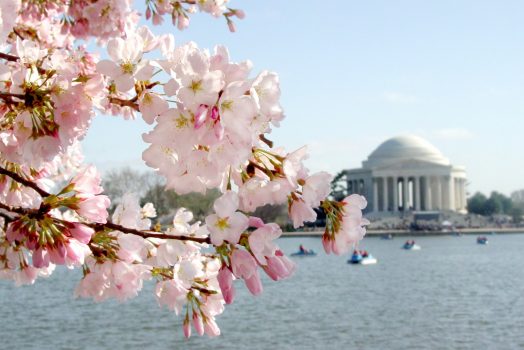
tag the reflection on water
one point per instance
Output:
(453, 293)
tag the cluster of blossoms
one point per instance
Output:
(210, 118)
(180, 10)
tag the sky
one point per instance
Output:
(356, 73)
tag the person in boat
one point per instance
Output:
(365, 254)
(302, 249)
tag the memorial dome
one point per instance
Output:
(402, 148)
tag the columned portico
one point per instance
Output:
(395, 194)
(407, 173)
(417, 193)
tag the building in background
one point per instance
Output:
(407, 173)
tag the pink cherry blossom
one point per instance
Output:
(172, 294)
(94, 208)
(87, 181)
(279, 266)
(300, 212)
(245, 267)
(261, 242)
(8, 9)
(227, 224)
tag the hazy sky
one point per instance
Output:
(355, 73)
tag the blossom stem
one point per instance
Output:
(8, 57)
(146, 234)
(124, 103)
(24, 182)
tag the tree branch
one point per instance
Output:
(96, 226)
(24, 182)
(19, 210)
(8, 57)
(146, 234)
(124, 103)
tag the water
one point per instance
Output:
(452, 294)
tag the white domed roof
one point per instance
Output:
(402, 148)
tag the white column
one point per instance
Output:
(445, 193)
(427, 192)
(385, 203)
(416, 189)
(439, 192)
(451, 193)
(405, 194)
(395, 193)
(464, 201)
(457, 194)
(375, 194)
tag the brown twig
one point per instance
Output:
(24, 182)
(146, 234)
(124, 103)
(109, 225)
(8, 57)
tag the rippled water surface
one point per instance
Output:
(452, 294)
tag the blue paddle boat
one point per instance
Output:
(304, 252)
(482, 240)
(362, 259)
(410, 245)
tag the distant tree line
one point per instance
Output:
(497, 203)
(149, 187)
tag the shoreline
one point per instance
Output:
(377, 233)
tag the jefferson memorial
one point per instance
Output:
(408, 173)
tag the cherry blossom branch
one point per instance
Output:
(132, 101)
(146, 234)
(24, 182)
(19, 210)
(8, 57)
(263, 138)
(109, 225)
(125, 103)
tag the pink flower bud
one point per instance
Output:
(279, 266)
(187, 328)
(214, 113)
(40, 258)
(255, 222)
(254, 284)
(211, 328)
(157, 19)
(245, 267)
(225, 281)
(240, 14)
(200, 115)
(148, 13)
(198, 324)
(183, 22)
(232, 27)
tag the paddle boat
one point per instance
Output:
(362, 259)
(304, 252)
(410, 245)
(482, 240)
